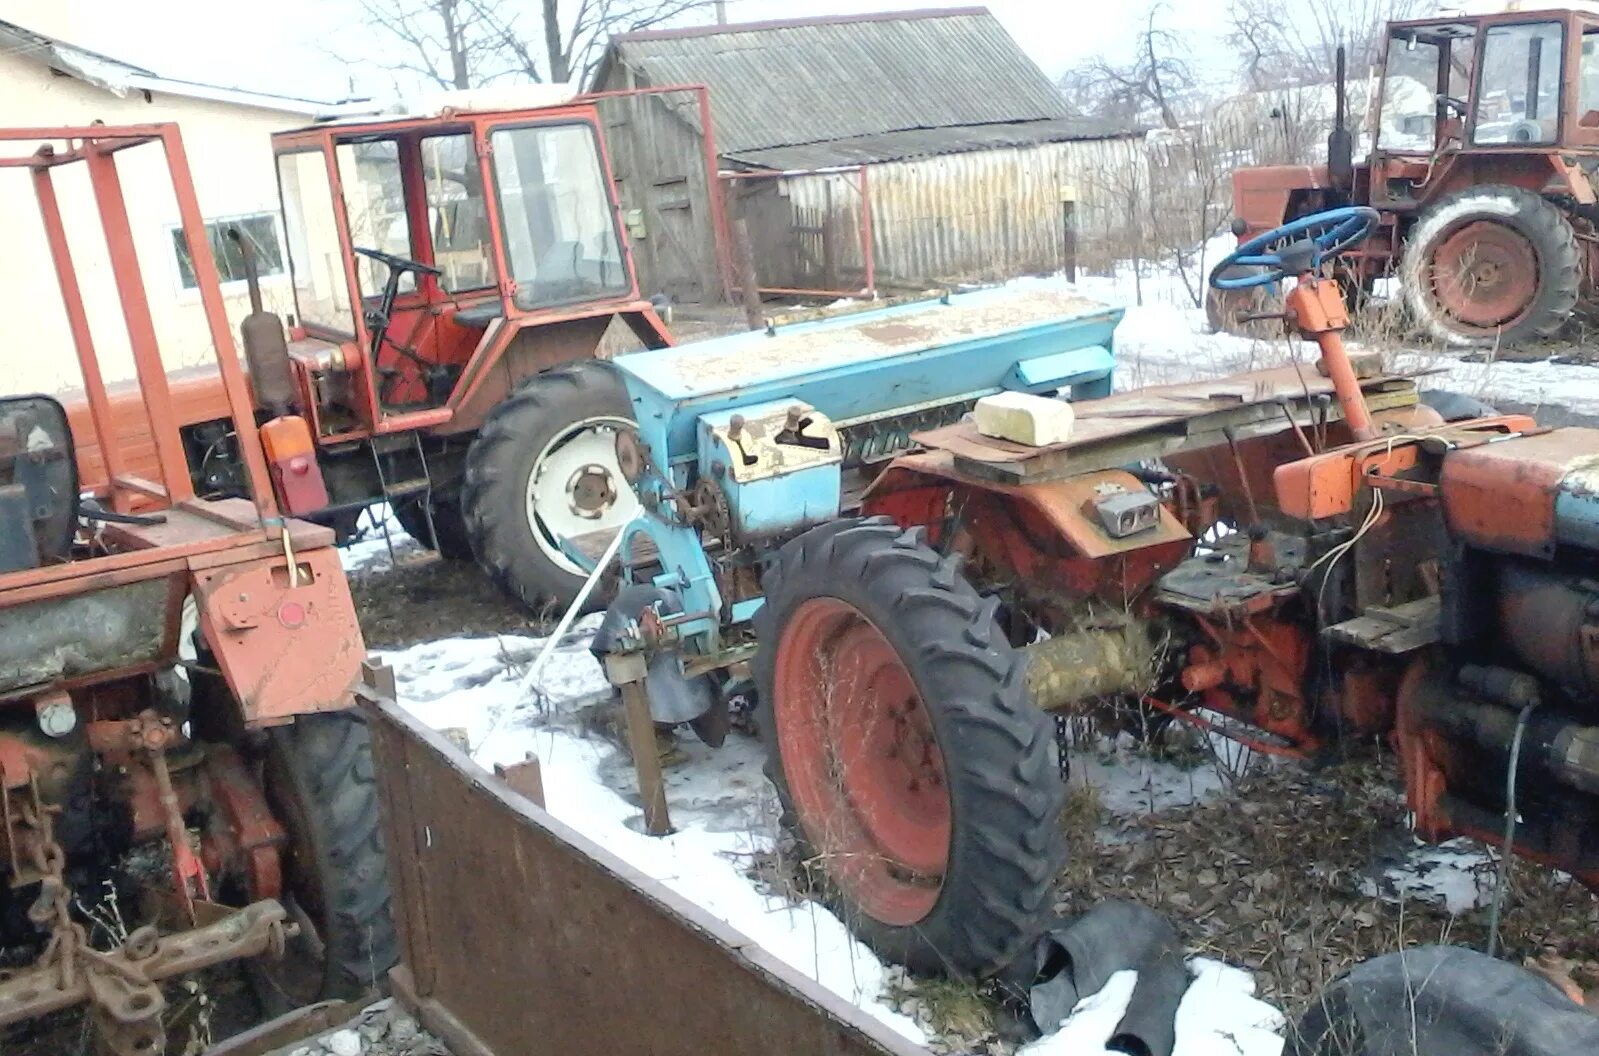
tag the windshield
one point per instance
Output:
(315, 260)
(560, 232)
(457, 218)
(1518, 96)
(1410, 96)
(374, 205)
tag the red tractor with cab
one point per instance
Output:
(453, 276)
(1484, 165)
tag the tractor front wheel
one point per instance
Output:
(542, 470)
(1490, 266)
(919, 782)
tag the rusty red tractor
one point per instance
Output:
(1306, 561)
(1484, 164)
(452, 276)
(182, 782)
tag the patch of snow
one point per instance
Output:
(1458, 874)
(1219, 1016)
(1130, 783)
(376, 532)
(1091, 1023)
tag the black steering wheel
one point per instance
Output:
(396, 264)
(1296, 247)
(379, 317)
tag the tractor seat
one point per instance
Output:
(481, 314)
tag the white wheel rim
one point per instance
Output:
(576, 488)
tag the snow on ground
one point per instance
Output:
(1459, 875)
(1219, 1016)
(1165, 340)
(379, 542)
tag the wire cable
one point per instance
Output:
(1503, 873)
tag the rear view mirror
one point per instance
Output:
(38, 483)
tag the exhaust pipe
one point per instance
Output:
(1340, 143)
(266, 346)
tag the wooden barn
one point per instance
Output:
(894, 151)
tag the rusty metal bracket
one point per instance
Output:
(626, 672)
(121, 984)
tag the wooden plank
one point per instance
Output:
(1152, 423)
(1393, 631)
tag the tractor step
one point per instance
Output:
(399, 489)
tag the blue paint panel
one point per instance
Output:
(1061, 370)
(1577, 516)
(668, 395)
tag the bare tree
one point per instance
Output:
(1157, 79)
(466, 43)
(1282, 45)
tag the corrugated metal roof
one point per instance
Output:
(926, 142)
(816, 80)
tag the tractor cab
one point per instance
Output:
(1495, 87)
(420, 248)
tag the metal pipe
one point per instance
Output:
(140, 325)
(105, 433)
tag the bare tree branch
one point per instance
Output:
(1286, 45)
(465, 43)
(1158, 80)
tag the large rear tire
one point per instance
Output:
(1491, 265)
(320, 781)
(542, 469)
(919, 781)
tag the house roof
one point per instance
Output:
(926, 142)
(861, 82)
(123, 78)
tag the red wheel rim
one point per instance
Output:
(861, 761)
(1484, 274)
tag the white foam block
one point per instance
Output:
(1036, 421)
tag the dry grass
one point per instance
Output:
(1274, 877)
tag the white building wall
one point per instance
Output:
(230, 157)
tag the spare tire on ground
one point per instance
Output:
(1443, 1001)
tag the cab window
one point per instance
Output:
(316, 262)
(374, 205)
(1588, 80)
(1518, 94)
(1410, 96)
(561, 241)
(457, 215)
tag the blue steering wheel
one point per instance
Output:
(1329, 234)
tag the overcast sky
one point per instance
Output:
(288, 46)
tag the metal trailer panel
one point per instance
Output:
(520, 935)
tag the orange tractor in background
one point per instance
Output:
(1484, 165)
(453, 276)
(182, 781)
